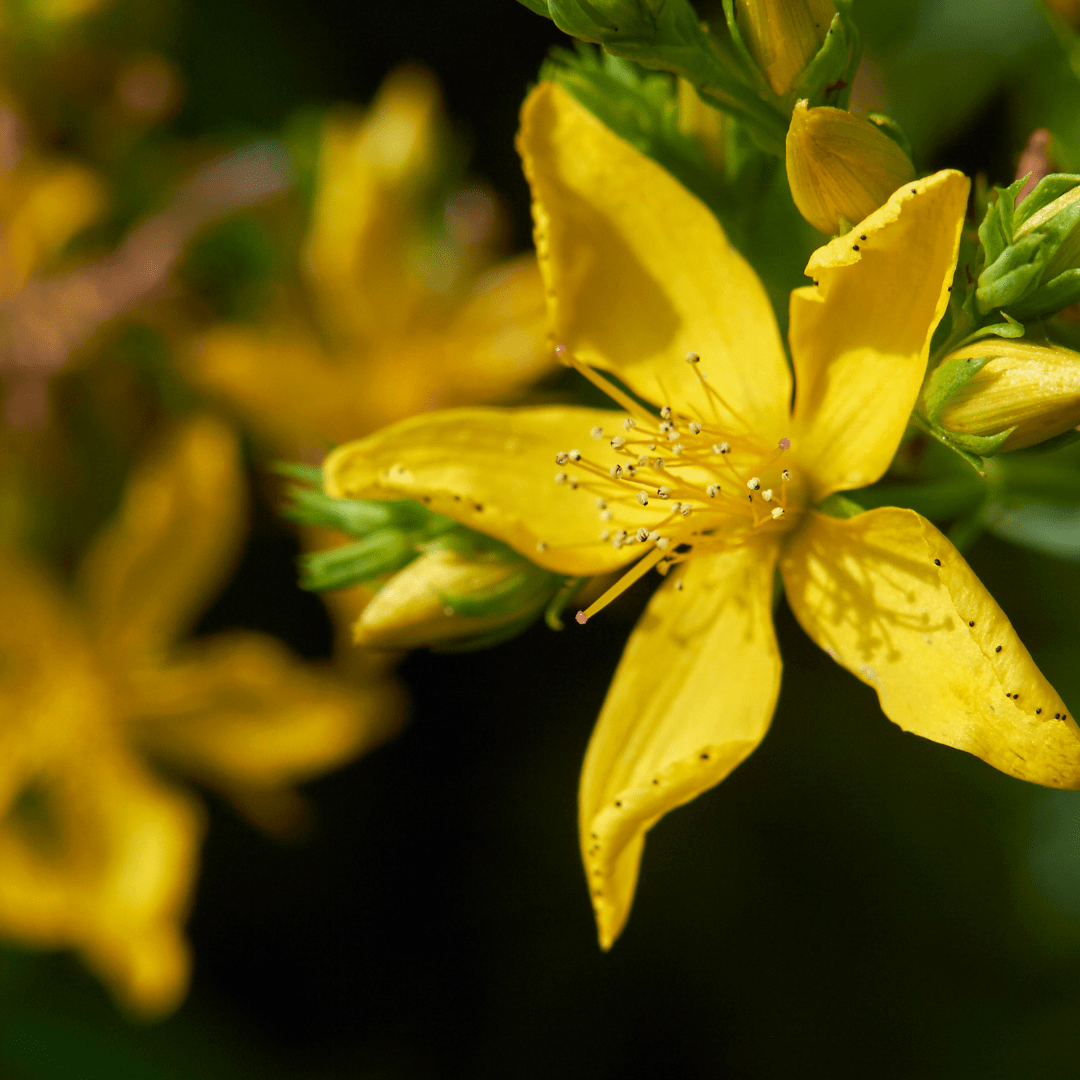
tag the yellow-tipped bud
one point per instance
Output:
(416, 607)
(841, 167)
(1034, 389)
(784, 35)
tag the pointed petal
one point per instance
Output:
(692, 698)
(493, 470)
(102, 860)
(239, 712)
(860, 339)
(173, 542)
(943, 658)
(640, 273)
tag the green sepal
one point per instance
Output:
(539, 6)
(492, 637)
(840, 506)
(892, 130)
(945, 381)
(1011, 328)
(360, 517)
(1013, 274)
(527, 589)
(307, 474)
(1057, 294)
(383, 552)
(827, 78)
(1047, 190)
(983, 446)
(996, 230)
(565, 595)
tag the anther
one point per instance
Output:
(678, 448)
(673, 434)
(601, 504)
(721, 448)
(712, 490)
(654, 535)
(660, 464)
(685, 510)
(541, 545)
(560, 349)
(574, 455)
(630, 470)
(562, 457)
(695, 427)
(754, 484)
(643, 460)
(693, 358)
(785, 475)
(767, 494)
(663, 543)
(663, 492)
(665, 413)
(605, 535)
(561, 478)
(784, 444)
(606, 515)
(617, 442)
(629, 423)
(678, 585)
(642, 534)
(597, 432)
(615, 472)
(643, 498)
(777, 513)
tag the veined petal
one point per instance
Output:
(860, 337)
(640, 273)
(239, 711)
(175, 538)
(693, 696)
(494, 470)
(889, 598)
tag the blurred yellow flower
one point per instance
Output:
(727, 484)
(98, 851)
(399, 323)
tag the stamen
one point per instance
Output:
(639, 570)
(629, 423)
(778, 513)
(712, 490)
(767, 494)
(562, 457)
(722, 448)
(597, 432)
(643, 498)
(574, 455)
(753, 483)
(601, 504)
(785, 476)
(608, 388)
(665, 413)
(618, 442)
(695, 427)
(693, 358)
(642, 534)
(615, 472)
(606, 515)
(663, 492)
(561, 478)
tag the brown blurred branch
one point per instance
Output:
(43, 325)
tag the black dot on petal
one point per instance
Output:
(656, 782)
(998, 649)
(863, 237)
(913, 191)
(1015, 697)
(854, 247)
(704, 757)
(1037, 711)
(1057, 716)
(618, 803)
(937, 562)
(594, 836)
(972, 623)
(457, 498)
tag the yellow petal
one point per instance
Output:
(372, 177)
(238, 711)
(692, 698)
(640, 273)
(943, 658)
(494, 470)
(175, 539)
(784, 35)
(841, 166)
(100, 858)
(860, 338)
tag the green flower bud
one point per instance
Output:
(841, 168)
(1032, 251)
(447, 596)
(1031, 391)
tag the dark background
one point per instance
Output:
(853, 901)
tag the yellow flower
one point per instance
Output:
(399, 327)
(642, 280)
(784, 35)
(98, 851)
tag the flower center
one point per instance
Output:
(683, 483)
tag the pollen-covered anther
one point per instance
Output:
(606, 515)
(693, 358)
(654, 535)
(629, 424)
(777, 513)
(597, 432)
(785, 475)
(665, 413)
(541, 545)
(695, 427)
(677, 449)
(721, 448)
(561, 478)
(643, 498)
(712, 490)
(642, 534)
(643, 460)
(663, 492)
(574, 455)
(601, 504)
(660, 464)
(754, 483)
(685, 510)
(617, 442)
(663, 543)
(630, 470)
(562, 457)
(605, 535)
(767, 494)
(615, 472)
(673, 434)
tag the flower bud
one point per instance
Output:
(841, 168)
(1032, 389)
(784, 35)
(1032, 250)
(449, 596)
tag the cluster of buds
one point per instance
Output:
(774, 52)
(434, 582)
